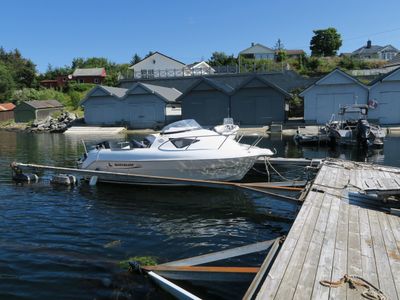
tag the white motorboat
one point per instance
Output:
(181, 150)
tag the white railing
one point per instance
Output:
(192, 72)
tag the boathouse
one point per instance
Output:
(207, 101)
(256, 101)
(141, 106)
(323, 98)
(33, 110)
(253, 101)
(6, 111)
(384, 98)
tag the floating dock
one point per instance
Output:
(85, 130)
(344, 227)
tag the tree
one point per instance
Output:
(22, 70)
(281, 55)
(6, 83)
(279, 45)
(135, 59)
(325, 42)
(221, 59)
(149, 54)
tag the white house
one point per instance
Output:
(384, 95)
(141, 106)
(324, 97)
(158, 65)
(199, 69)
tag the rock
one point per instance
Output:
(50, 124)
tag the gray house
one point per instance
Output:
(149, 106)
(256, 101)
(36, 110)
(210, 98)
(141, 106)
(384, 98)
(207, 101)
(323, 98)
(370, 51)
(102, 106)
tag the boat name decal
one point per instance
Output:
(124, 165)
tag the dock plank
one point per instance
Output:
(340, 256)
(385, 278)
(354, 261)
(369, 271)
(392, 251)
(325, 264)
(306, 280)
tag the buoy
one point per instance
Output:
(63, 179)
(25, 178)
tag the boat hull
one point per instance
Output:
(224, 169)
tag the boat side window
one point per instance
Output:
(183, 142)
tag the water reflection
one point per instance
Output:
(56, 242)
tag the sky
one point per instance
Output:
(55, 32)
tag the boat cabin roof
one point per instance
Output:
(181, 126)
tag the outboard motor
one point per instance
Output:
(363, 133)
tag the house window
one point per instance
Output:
(81, 81)
(150, 73)
(143, 73)
(96, 80)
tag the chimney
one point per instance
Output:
(252, 44)
(369, 44)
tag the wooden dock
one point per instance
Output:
(342, 228)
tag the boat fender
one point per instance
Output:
(29, 178)
(93, 180)
(63, 179)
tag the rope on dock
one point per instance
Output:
(371, 292)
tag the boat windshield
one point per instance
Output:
(181, 126)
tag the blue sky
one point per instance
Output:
(54, 32)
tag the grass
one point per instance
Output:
(142, 260)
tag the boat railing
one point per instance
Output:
(192, 140)
(258, 139)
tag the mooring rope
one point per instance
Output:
(371, 291)
(266, 161)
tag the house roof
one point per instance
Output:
(89, 72)
(228, 89)
(195, 64)
(159, 53)
(218, 85)
(266, 82)
(251, 49)
(287, 80)
(165, 93)
(294, 52)
(394, 62)
(7, 106)
(114, 91)
(372, 49)
(40, 104)
(111, 91)
(383, 76)
(337, 70)
(48, 81)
